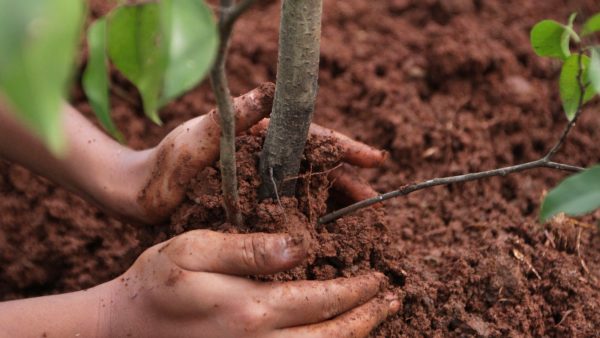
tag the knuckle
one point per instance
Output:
(187, 240)
(252, 318)
(254, 251)
(179, 249)
(333, 307)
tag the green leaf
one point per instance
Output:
(164, 48)
(96, 77)
(38, 44)
(193, 41)
(592, 25)
(570, 91)
(594, 70)
(576, 195)
(137, 48)
(550, 38)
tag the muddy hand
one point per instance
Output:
(193, 285)
(191, 147)
(354, 153)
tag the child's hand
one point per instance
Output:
(191, 286)
(195, 145)
(146, 186)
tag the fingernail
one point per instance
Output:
(394, 307)
(294, 247)
(394, 303)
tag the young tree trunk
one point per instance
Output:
(295, 93)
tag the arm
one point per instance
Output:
(66, 315)
(146, 186)
(94, 165)
(193, 286)
(142, 186)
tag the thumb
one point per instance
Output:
(237, 254)
(191, 147)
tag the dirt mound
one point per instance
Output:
(447, 87)
(353, 245)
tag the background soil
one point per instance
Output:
(447, 87)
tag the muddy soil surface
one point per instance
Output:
(447, 87)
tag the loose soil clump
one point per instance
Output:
(353, 245)
(446, 87)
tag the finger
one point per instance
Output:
(358, 322)
(193, 146)
(236, 254)
(307, 302)
(259, 127)
(354, 188)
(205, 133)
(353, 152)
(253, 106)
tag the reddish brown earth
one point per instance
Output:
(447, 87)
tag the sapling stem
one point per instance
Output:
(229, 13)
(544, 162)
(295, 93)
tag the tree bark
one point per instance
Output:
(295, 94)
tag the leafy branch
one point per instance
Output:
(579, 82)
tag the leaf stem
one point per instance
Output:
(571, 123)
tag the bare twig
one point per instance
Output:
(407, 189)
(232, 13)
(220, 87)
(544, 162)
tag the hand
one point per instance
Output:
(190, 286)
(146, 186)
(195, 145)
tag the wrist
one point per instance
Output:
(119, 182)
(65, 315)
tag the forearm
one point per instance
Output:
(94, 165)
(76, 314)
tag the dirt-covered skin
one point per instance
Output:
(447, 87)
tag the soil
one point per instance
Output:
(446, 87)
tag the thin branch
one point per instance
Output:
(220, 87)
(407, 189)
(234, 12)
(562, 166)
(544, 162)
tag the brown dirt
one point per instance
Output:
(351, 246)
(447, 87)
